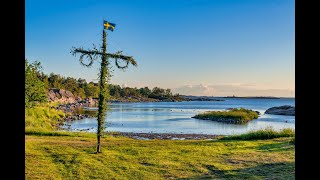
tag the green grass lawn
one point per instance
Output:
(73, 157)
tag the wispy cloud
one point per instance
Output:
(236, 89)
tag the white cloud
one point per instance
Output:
(201, 89)
(237, 89)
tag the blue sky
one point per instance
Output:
(197, 47)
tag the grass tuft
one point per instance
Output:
(37, 132)
(42, 118)
(267, 133)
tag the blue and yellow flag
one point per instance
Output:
(108, 26)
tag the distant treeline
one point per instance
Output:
(36, 80)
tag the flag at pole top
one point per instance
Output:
(108, 26)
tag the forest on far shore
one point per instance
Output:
(37, 85)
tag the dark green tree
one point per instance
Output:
(71, 85)
(168, 93)
(115, 90)
(157, 93)
(91, 90)
(145, 91)
(80, 93)
(82, 83)
(104, 76)
(55, 81)
(35, 90)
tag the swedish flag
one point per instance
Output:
(109, 26)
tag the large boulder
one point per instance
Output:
(91, 102)
(62, 96)
(282, 110)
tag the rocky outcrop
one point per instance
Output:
(90, 102)
(71, 105)
(282, 110)
(75, 111)
(200, 98)
(205, 99)
(62, 96)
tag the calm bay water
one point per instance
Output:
(175, 117)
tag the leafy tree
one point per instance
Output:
(70, 84)
(157, 93)
(55, 81)
(145, 91)
(82, 83)
(35, 90)
(168, 93)
(115, 90)
(80, 93)
(91, 90)
(44, 79)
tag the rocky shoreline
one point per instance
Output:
(166, 136)
(73, 110)
(205, 99)
(77, 117)
(221, 119)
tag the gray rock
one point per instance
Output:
(282, 110)
(61, 95)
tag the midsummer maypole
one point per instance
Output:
(104, 74)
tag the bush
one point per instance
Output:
(42, 117)
(267, 133)
(35, 89)
(293, 141)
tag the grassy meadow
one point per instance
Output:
(73, 157)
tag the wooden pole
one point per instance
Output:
(103, 93)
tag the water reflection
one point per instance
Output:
(175, 117)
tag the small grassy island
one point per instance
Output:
(235, 115)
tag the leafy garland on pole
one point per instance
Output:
(104, 74)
